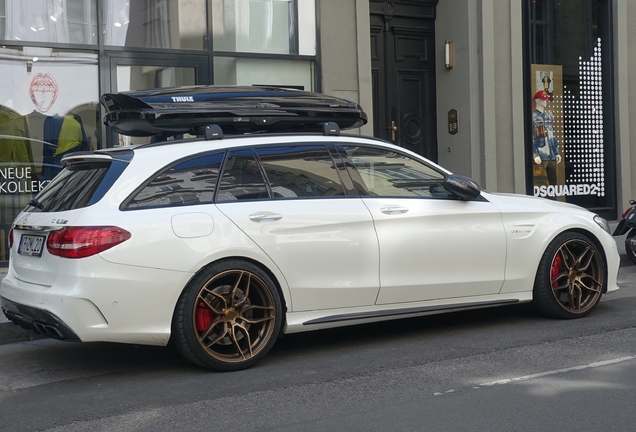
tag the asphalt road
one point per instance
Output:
(498, 369)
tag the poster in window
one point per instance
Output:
(548, 131)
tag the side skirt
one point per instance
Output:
(398, 313)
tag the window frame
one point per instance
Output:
(126, 202)
(329, 149)
(363, 189)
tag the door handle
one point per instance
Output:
(265, 217)
(394, 128)
(393, 210)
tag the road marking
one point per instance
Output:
(558, 371)
(543, 374)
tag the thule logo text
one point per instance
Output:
(182, 99)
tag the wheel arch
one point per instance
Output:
(257, 263)
(597, 243)
(599, 246)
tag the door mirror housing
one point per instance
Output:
(462, 187)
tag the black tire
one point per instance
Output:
(570, 278)
(628, 247)
(228, 317)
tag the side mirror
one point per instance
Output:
(462, 187)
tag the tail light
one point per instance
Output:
(82, 242)
(10, 238)
(626, 212)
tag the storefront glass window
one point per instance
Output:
(45, 114)
(264, 26)
(175, 24)
(54, 21)
(572, 154)
(250, 71)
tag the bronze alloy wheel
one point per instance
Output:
(571, 277)
(576, 276)
(228, 317)
(234, 316)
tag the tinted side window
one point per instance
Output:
(187, 183)
(301, 171)
(242, 178)
(391, 174)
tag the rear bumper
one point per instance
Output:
(97, 301)
(39, 321)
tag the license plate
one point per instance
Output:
(31, 245)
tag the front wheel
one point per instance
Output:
(228, 316)
(570, 277)
(631, 254)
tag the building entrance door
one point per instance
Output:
(403, 70)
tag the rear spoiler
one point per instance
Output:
(107, 155)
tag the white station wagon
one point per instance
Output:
(272, 222)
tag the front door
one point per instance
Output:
(432, 245)
(403, 69)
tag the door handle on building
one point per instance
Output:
(394, 128)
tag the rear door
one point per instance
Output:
(322, 240)
(432, 245)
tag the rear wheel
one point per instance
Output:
(228, 317)
(631, 254)
(570, 277)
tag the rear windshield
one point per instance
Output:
(77, 186)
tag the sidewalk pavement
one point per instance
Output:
(10, 332)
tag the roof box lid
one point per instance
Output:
(235, 109)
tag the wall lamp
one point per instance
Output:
(448, 54)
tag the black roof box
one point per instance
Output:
(172, 111)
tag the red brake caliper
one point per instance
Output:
(554, 271)
(204, 317)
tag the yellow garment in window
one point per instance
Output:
(70, 136)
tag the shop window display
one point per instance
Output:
(44, 115)
(570, 138)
